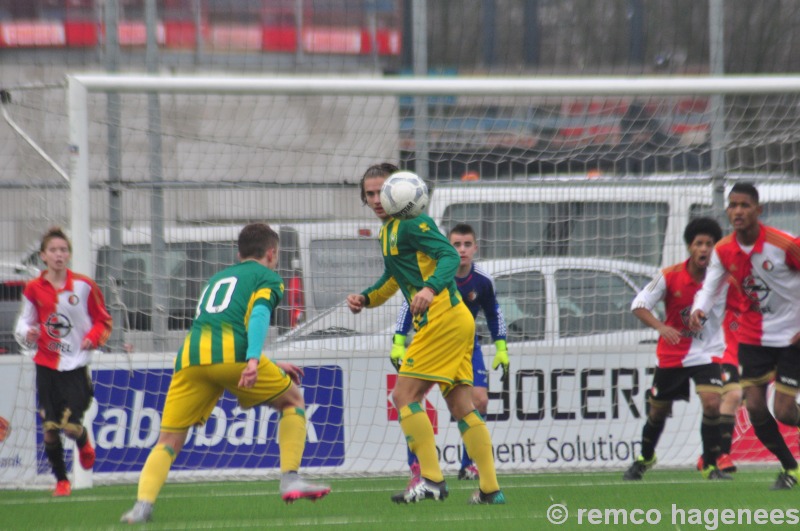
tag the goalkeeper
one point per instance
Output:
(478, 293)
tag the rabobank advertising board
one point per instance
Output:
(127, 420)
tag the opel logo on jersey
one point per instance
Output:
(755, 288)
(58, 326)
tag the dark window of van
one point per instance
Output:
(626, 230)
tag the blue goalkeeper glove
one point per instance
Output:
(398, 350)
(501, 356)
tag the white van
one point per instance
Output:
(640, 221)
(320, 262)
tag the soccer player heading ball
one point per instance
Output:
(442, 347)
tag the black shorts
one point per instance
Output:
(762, 364)
(61, 392)
(730, 374)
(673, 384)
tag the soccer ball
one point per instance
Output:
(404, 195)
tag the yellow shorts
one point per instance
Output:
(195, 390)
(442, 350)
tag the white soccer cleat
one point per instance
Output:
(294, 487)
(142, 512)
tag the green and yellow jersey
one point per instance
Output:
(219, 331)
(416, 255)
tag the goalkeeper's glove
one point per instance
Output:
(398, 350)
(501, 356)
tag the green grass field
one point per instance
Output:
(364, 504)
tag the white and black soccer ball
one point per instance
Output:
(404, 195)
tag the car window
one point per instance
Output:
(593, 302)
(522, 300)
(626, 230)
(338, 267)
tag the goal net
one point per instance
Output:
(578, 189)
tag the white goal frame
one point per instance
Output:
(80, 85)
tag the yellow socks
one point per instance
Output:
(479, 446)
(154, 473)
(292, 438)
(419, 435)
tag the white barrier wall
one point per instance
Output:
(559, 411)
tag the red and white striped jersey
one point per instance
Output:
(735, 303)
(676, 287)
(769, 276)
(64, 317)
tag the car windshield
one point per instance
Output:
(339, 321)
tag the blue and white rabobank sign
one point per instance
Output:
(128, 418)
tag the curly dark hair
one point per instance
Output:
(707, 226)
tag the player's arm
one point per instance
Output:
(497, 327)
(265, 299)
(27, 329)
(793, 261)
(643, 304)
(380, 292)
(402, 327)
(425, 236)
(101, 320)
(257, 329)
(293, 371)
(711, 289)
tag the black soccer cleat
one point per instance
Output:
(636, 471)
